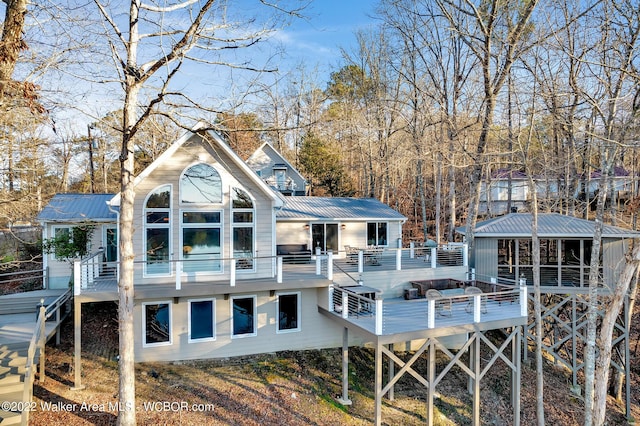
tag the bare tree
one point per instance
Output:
(199, 35)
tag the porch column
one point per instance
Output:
(391, 369)
(77, 345)
(345, 368)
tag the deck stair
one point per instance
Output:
(18, 315)
(13, 359)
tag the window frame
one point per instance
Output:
(254, 333)
(377, 236)
(298, 312)
(243, 225)
(213, 320)
(144, 323)
(190, 204)
(167, 226)
(54, 230)
(207, 225)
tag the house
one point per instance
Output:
(494, 193)
(276, 171)
(210, 281)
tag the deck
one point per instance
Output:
(395, 320)
(98, 286)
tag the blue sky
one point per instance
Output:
(331, 25)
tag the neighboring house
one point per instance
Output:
(276, 171)
(66, 211)
(494, 195)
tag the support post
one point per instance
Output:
(77, 345)
(399, 259)
(412, 250)
(318, 261)
(476, 379)
(434, 253)
(391, 370)
(360, 261)
(379, 322)
(330, 265)
(232, 273)
(516, 375)
(378, 385)
(431, 374)
(43, 338)
(345, 368)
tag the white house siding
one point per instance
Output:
(193, 152)
(316, 331)
(486, 257)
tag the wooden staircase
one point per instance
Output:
(13, 359)
(19, 330)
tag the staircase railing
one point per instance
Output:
(37, 345)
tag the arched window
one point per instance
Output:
(157, 224)
(200, 184)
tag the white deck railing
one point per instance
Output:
(381, 316)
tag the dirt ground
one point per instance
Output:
(287, 388)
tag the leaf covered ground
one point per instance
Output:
(286, 388)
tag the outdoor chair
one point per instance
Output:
(472, 291)
(443, 304)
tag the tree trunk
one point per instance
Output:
(12, 42)
(606, 332)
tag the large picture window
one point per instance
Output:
(201, 233)
(156, 322)
(157, 217)
(202, 320)
(200, 184)
(244, 319)
(288, 312)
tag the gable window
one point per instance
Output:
(200, 184)
(156, 323)
(201, 233)
(157, 231)
(243, 229)
(288, 312)
(244, 319)
(202, 320)
(377, 233)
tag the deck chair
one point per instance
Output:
(472, 291)
(443, 304)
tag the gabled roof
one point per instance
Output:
(214, 138)
(338, 209)
(255, 161)
(550, 225)
(78, 208)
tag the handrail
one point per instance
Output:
(38, 342)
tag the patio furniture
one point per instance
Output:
(443, 304)
(473, 291)
(372, 255)
(437, 284)
(294, 253)
(351, 254)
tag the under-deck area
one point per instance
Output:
(426, 324)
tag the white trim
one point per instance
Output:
(298, 313)
(146, 226)
(186, 205)
(213, 319)
(255, 316)
(144, 324)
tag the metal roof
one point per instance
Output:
(338, 208)
(78, 208)
(552, 225)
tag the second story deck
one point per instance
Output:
(95, 280)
